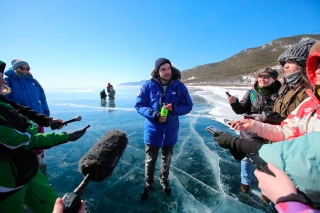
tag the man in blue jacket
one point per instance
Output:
(165, 90)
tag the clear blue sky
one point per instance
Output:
(91, 42)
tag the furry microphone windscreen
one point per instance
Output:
(103, 156)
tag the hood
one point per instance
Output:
(175, 73)
(10, 72)
(312, 62)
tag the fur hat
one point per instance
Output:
(298, 52)
(315, 48)
(159, 62)
(313, 61)
(2, 66)
(268, 72)
(17, 62)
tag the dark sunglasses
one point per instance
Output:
(24, 68)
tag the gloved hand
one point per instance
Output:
(268, 119)
(260, 117)
(56, 123)
(76, 135)
(225, 140)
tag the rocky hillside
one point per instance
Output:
(241, 67)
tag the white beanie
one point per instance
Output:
(17, 62)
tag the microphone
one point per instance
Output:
(56, 125)
(96, 165)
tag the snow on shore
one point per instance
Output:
(217, 96)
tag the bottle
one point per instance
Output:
(164, 113)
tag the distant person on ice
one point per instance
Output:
(108, 87)
(111, 93)
(103, 94)
(165, 90)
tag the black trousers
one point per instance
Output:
(150, 163)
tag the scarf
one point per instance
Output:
(267, 91)
(293, 78)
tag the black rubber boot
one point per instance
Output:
(145, 194)
(166, 187)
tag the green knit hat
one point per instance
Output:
(2, 66)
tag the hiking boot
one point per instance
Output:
(145, 194)
(244, 188)
(166, 187)
(265, 199)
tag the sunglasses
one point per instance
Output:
(24, 68)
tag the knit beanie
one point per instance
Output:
(269, 72)
(298, 52)
(159, 62)
(2, 66)
(17, 62)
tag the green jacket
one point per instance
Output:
(18, 137)
(299, 159)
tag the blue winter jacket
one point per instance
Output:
(300, 160)
(149, 103)
(26, 90)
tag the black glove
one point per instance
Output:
(260, 117)
(56, 124)
(76, 135)
(225, 140)
(268, 119)
(274, 120)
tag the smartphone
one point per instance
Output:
(228, 122)
(259, 163)
(228, 94)
(213, 131)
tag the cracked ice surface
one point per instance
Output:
(203, 176)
